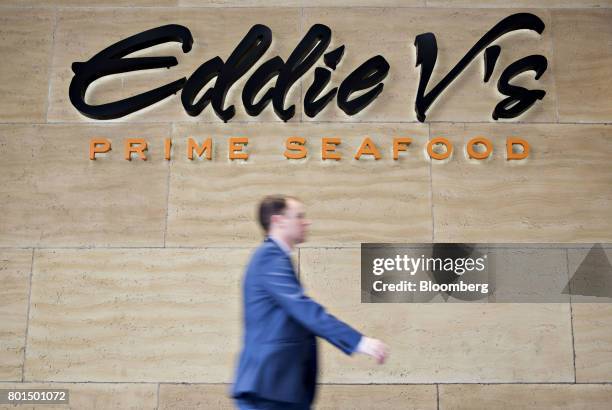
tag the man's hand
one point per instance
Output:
(374, 348)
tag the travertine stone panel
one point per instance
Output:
(95, 395)
(435, 342)
(520, 3)
(27, 39)
(391, 32)
(583, 55)
(376, 397)
(213, 202)
(561, 193)
(135, 315)
(301, 3)
(523, 396)
(53, 195)
(314, 3)
(15, 278)
(215, 33)
(209, 396)
(195, 396)
(91, 3)
(593, 341)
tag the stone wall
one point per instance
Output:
(121, 279)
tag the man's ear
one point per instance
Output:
(274, 219)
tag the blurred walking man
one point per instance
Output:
(278, 364)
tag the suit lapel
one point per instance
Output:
(268, 239)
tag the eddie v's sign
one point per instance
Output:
(366, 79)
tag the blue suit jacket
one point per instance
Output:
(279, 358)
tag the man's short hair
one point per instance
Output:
(272, 205)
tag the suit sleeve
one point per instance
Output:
(280, 282)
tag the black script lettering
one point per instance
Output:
(308, 51)
(252, 47)
(198, 80)
(427, 52)
(520, 99)
(110, 61)
(491, 55)
(365, 76)
(261, 77)
(312, 105)
(245, 55)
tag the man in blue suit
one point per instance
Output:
(278, 364)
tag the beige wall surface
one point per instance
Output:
(120, 280)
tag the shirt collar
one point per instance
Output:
(281, 244)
